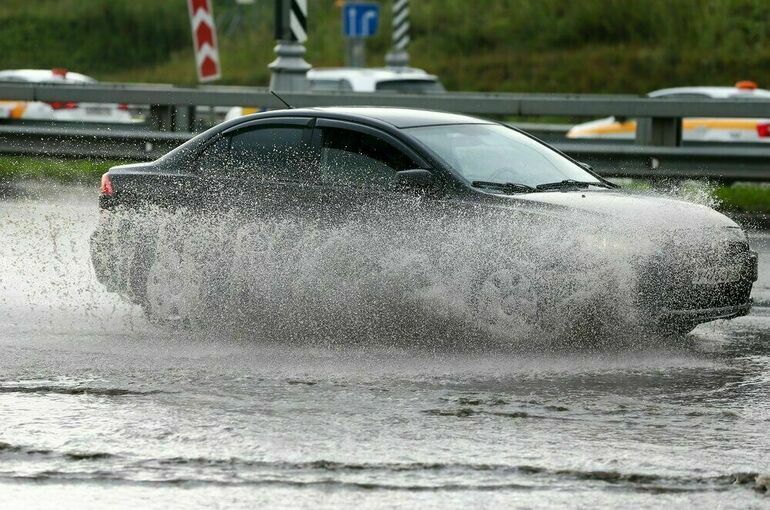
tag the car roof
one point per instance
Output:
(397, 117)
(43, 75)
(365, 79)
(713, 92)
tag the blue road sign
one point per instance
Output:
(360, 19)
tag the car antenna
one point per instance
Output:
(273, 92)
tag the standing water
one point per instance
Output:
(101, 408)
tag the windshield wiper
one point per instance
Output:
(572, 184)
(505, 187)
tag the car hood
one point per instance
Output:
(641, 210)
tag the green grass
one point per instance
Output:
(93, 36)
(64, 170)
(738, 197)
(612, 46)
(753, 198)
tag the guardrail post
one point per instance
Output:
(398, 56)
(161, 117)
(660, 131)
(289, 69)
(166, 117)
(184, 117)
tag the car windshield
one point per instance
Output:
(497, 154)
(410, 86)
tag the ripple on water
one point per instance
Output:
(431, 476)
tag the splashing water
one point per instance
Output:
(395, 273)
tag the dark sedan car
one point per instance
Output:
(332, 164)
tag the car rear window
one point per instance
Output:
(331, 85)
(411, 86)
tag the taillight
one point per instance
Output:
(123, 107)
(763, 129)
(63, 105)
(106, 187)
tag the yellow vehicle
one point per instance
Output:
(693, 129)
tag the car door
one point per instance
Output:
(357, 166)
(266, 167)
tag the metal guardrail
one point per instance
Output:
(543, 131)
(72, 141)
(173, 109)
(588, 105)
(723, 162)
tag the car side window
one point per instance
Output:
(352, 158)
(214, 157)
(279, 152)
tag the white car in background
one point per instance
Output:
(58, 110)
(406, 80)
(693, 129)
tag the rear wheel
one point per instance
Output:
(173, 289)
(141, 260)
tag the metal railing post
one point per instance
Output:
(184, 117)
(659, 131)
(169, 117)
(161, 117)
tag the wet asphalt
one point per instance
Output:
(100, 408)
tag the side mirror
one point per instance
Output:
(417, 178)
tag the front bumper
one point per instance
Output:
(695, 290)
(700, 315)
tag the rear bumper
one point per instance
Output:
(753, 267)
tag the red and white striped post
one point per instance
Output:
(204, 35)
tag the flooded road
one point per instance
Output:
(98, 407)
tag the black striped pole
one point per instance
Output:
(398, 55)
(289, 70)
(291, 20)
(298, 21)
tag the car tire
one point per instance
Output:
(506, 301)
(172, 284)
(141, 260)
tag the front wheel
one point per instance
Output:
(507, 301)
